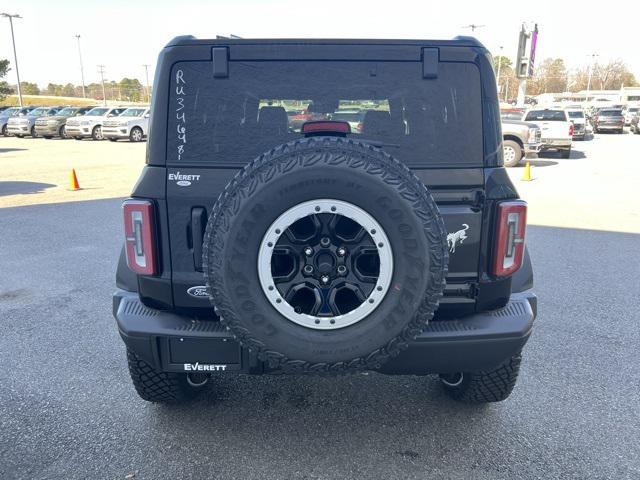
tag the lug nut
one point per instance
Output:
(342, 269)
(308, 251)
(308, 269)
(325, 242)
(342, 251)
(324, 279)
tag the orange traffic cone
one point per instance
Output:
(526, 175)
(73, 180)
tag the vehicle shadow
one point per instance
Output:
(535, 162)
(575, 155)
(17, 187)
(7, 150)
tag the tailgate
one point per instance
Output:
(458, 192)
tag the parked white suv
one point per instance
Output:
(133, 124)
(90, 124)
(556, 128)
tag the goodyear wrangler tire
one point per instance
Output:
(325, 255)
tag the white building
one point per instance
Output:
(624, 96)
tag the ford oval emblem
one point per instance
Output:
(183, 183)
(198, 291)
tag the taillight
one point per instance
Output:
(139, 235)
(511, 222)
(571, 129)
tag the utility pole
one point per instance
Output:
(146, 74)
(593, 57)
(473, 27)
(15, 55)
(104, 95)
(84, 95)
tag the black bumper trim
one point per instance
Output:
(477, 342)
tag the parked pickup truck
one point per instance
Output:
(90, 124)
(579, 121)
(519, 140)
(557, 129)
(133, 124)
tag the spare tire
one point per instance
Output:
(325, 255)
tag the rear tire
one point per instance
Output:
(4, 131)
(62, 132)
(34, 134)
(96, 133)
(512, 153)
(161, 387)
(136, 134)
(565, 153)
(483, 386)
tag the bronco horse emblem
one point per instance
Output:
(456, 238)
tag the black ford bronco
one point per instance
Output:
(324, 207)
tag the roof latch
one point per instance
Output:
(430, 58)
(220, 57)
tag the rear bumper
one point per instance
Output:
(177, 343)
(555, 143)
(610, 126)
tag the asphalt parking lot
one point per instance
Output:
(68, 410)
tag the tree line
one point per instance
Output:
(553, 76)
(127, 89)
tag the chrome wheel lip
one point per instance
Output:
(314, 207)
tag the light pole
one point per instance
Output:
(104, 95)
(499, 65)
(81, 67)
(15, 55)
(593, 57)
(146, 75)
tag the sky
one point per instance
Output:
(125, 34)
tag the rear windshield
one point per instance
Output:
(230, 121)
(576, 114)
(511, 115)
(546, 116)
(610, 113)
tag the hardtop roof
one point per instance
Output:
(459, 41)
